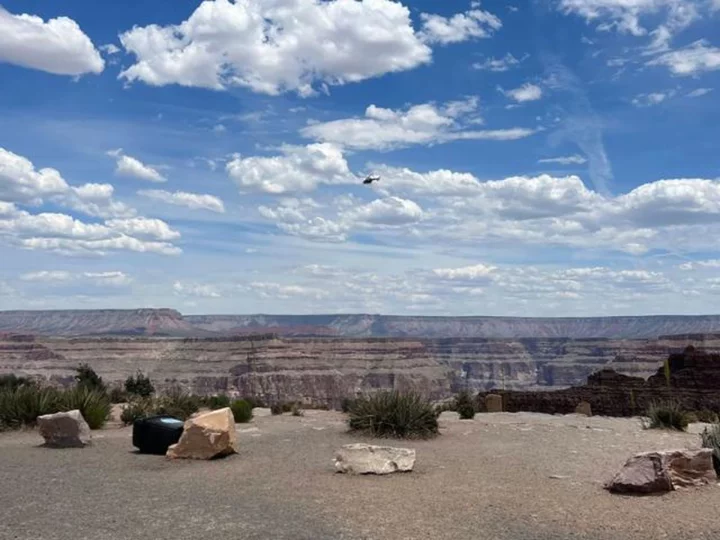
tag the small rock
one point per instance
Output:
(558, 477)
(368, 459)
(64, 430)
(493, 403)
(207, 436)
(583, 408)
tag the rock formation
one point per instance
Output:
(64, 430)
(369, 459)
(207, 436)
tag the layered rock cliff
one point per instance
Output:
(326, 370)
(170, 323)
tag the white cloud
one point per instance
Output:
(565, 160)
(298, 168)
(428, 123)
(47, 276)
(195, 201)
(524, 93)
(474, 23)
(466, 273)
(134, 168)
(277, 290)
(110, 48)
(648, 100)
(390, 211)
(699, 92)
(57, 46)
(285, 45)
(191, 289)
(144, 227)
(108, 279)
(498, 65)
(691, 60)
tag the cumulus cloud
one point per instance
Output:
(575, 159)
(699, 92)
(134, 168)
(276, 46)
(692, 60)
(278, 290)
(47, 276)
(498, 65)
(524, 93)
(428, 123)
(57, 46)
(195, 201)
(474, 23)
(144, 227)
(298, 168)
(648, 100)
(196, 290)
(390, 211)
(466, 273)
(58, 277)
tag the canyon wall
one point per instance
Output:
(171, 323)
(323, 371)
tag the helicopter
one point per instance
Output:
(371, 178)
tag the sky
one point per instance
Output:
(536, 157)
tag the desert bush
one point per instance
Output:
(296, 410)
(707, 416)
(117, 395)
(12, 381)
(254, 402)
(666, 415)
(242, 411)
(277, 408)
(21, 406)
(139, 385)
(94, 405)
(137, 408)
(87, 377)
(711, 439)
(218, 402)
(394, 414)
(177, 402)
(464, 405)
(346, 404)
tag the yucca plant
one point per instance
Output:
(178, 403)
(666, 415)
(394, 414)
(94, 405)
(711, 439)
(21, 407)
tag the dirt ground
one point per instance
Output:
(499, 476)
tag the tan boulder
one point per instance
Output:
(210, 435)
(363, 458)
(64, 430)
(657, 472)
(583, 408)
(493, 403)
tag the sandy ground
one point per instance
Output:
(499, 476)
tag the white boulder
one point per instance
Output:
(207, 436)
(64, 430)
(368, 459)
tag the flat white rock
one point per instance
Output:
(369, 459)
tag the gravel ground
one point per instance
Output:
(499, 476)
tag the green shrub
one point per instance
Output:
(346, 404)
(94, 405)
(277, 409)
(21, 406)
(218, 402)
(706, 416)
(117, 395)
(87, 377)
(464, 405)
(394, 414)
(711, 439)
(242, 411)
(139, 385)
(12, 381)
(296, 410)
(666, 415)
(254, 402)
(178, 403)
(137, 408)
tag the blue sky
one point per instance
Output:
(541, 158)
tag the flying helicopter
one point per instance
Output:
(371, 178)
